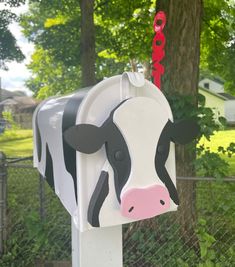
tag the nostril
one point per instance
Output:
(131, 209)
(162, 202)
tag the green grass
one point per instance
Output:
(16, 143)
(222, 138)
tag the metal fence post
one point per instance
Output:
(3, 200)
(42, 197)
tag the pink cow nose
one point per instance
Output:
(145, 203)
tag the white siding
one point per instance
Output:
(213, 86)
(215, 103)
(230, 111)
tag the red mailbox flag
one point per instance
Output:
(158, 48)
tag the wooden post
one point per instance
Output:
(101, 247)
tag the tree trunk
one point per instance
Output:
(87, 42)
(182, 51)
(147, 70)
(133, 65)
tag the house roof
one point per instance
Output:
(212, 78)
(8, 102)
(22, 103)
(19, 100)
(5, 94)
(213, 93)
(224, 96)
(227, 96)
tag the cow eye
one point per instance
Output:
(160, 149)
(119, 155)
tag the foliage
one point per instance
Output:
(128, 24)
(209, 257)
(205, 242)
(208, 163)
(229, 151)
(211, 164)
(217, 40)
(9, 50)
(51, 77)
(221, 147)
(123, 39)
(55, 29)
(29, 236)
(144, 246)
(7, 116)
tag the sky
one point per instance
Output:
(15, 77)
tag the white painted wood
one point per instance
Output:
(101, 247)
(75, 244)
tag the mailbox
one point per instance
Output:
(108, 151)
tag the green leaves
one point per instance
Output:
(9, 50)
(206, 241)
(211, 164)
(51, 77)
(217, 40)
(129, 27)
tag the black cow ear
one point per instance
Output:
(85, 138)
(184, 132)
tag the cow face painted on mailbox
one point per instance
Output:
(137, 137)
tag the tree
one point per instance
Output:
(181, 62)
(88, 54)
(217, 40)
(9, 50)
(56, 62)
(128, 25)
(50, 76)
(56, 29)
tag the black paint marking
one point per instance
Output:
(121, 168)
(119, 155)
(131, 209)
(49, 173)
(160, 161)
(38, 138)
(97, 199)
(69, 120)
(181, 132)
(88, 139)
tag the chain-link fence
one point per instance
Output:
(37, 228)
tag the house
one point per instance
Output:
(19, 105)
(221, 102)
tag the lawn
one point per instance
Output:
(222, 138)
(17, 143)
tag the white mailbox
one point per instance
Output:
(109, 152)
